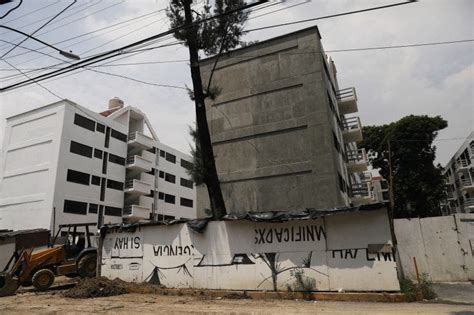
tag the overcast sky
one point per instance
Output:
(390, 84)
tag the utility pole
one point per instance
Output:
(390, 177)
(211, 179)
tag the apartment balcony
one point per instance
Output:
(469, 204)
(347, 101)
(147, 178)
(463, 165)
(357, 161)
(361, 193)
(467, 184)
(139, 140)
(136, 213)
(138, 163)
(137, 187)
(352, 131)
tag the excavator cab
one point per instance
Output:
(70, 253)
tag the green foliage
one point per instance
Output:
(301, 283)
(425, 288)
(418, 183)
(220, 34)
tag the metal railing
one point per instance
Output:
(351, 123)
(466, 182)
(131, 159)
(346, 93)
(450, 195)
(361, 190)
(463, 163)
(129, 183)
(132, 136)
(127, 210)
(469, 202)
(357, 156)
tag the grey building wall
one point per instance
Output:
(272, 127)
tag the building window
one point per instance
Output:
(161, 195)
(186, 164)
(81, 149)
(186, 183)
(78, 177)
(84, 122)
(161, 174)
(116, 159)
(112, 184)
(98, 153)
(186, 202)
(118, 135)
(93, 208)
(152, 150)
(162, 153)
(342, 183)
(170, 199)
(104, 163)
(170, 157)
(113, 211)
(95, 180)
(107, 137)
(75, 207)
(170, 178)
(100, 128)
(102, 189)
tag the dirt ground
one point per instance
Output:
(52, 302)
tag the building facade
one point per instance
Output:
(284, 133)
(63, 163)
(459, 176)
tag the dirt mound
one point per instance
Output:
(97, 287)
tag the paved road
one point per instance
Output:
(53, 303)
(461, 292)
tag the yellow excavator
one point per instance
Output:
(70, 254)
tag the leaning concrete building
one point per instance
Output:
(284, 133)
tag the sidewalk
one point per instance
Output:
(455, 292)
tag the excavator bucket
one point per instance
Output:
(8, 284)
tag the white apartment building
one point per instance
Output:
(63, 163)
(459, 176)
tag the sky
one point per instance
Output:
(390, 83)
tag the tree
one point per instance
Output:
(418, 185)
(211, 36)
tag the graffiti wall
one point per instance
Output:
(350, 251)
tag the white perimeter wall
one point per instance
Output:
(245, 255)
(443, 247)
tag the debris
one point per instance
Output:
(96, 287)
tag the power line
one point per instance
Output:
(331, 16)
(39, 84)
(11, 10)
(115, 52)
(42, 26)
(31, 12)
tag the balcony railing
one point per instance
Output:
(140, 140)
(469, 203)
(352, 130)
(450, 195)
(136, 212)
(357, 160)
(361, 190)
(462, 164)
(137, 187)
(467, 183)
(139, 163)
(347, 101)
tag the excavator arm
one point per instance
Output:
(9, 278)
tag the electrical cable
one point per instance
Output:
(11, 10)
(42, 26)
(31, 12)
(331, 16)
(118, 51)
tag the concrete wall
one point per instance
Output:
(245, 255)
(272, 128)
(7, 247)
(443, 247)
